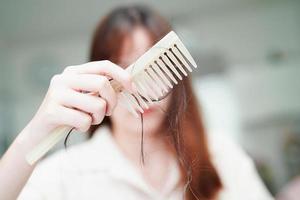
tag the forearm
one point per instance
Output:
(63, 105)
(14, 169)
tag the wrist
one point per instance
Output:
(32, 134)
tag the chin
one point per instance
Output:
(152, 120)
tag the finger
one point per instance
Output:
(89, 104)
(74, 118)
(94, 83)
(105, 68)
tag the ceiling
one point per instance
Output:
(34, 19)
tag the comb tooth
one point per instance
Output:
(143, 91)
(185, 53)
(141, 101)
(166, 70)
(161, 74)
(151, 85)
(176, 63)
(156, 78)
(133, 101)
(155, 86)
(167, 62)
(128, 105)
(147, 89)
(181, 59)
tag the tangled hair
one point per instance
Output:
(183, 121)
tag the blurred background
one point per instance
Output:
(248, 53)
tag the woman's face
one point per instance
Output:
(135, 45)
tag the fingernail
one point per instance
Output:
(108, 114)
(108, 111)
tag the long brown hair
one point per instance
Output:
(183, 120)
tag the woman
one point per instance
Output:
(175, 159)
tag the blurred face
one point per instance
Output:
(135, 45)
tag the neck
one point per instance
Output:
(131, 143)
(158, 157)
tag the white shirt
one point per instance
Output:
(96, 169)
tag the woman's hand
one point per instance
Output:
(66, 103)
(69, 100)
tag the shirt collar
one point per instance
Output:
(104, 154)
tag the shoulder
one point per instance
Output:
(54, 173)
(61, 162)
(224, 149)
(230, 160)
(236, 170)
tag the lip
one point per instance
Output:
(148, 111)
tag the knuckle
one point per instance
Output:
(69, 69)
(96, 119)
(85, 123)
(106, 62)
(56, 78)
(100, 106)
(103, 82)
(86, 120)
(99, 80)
(55, 95)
